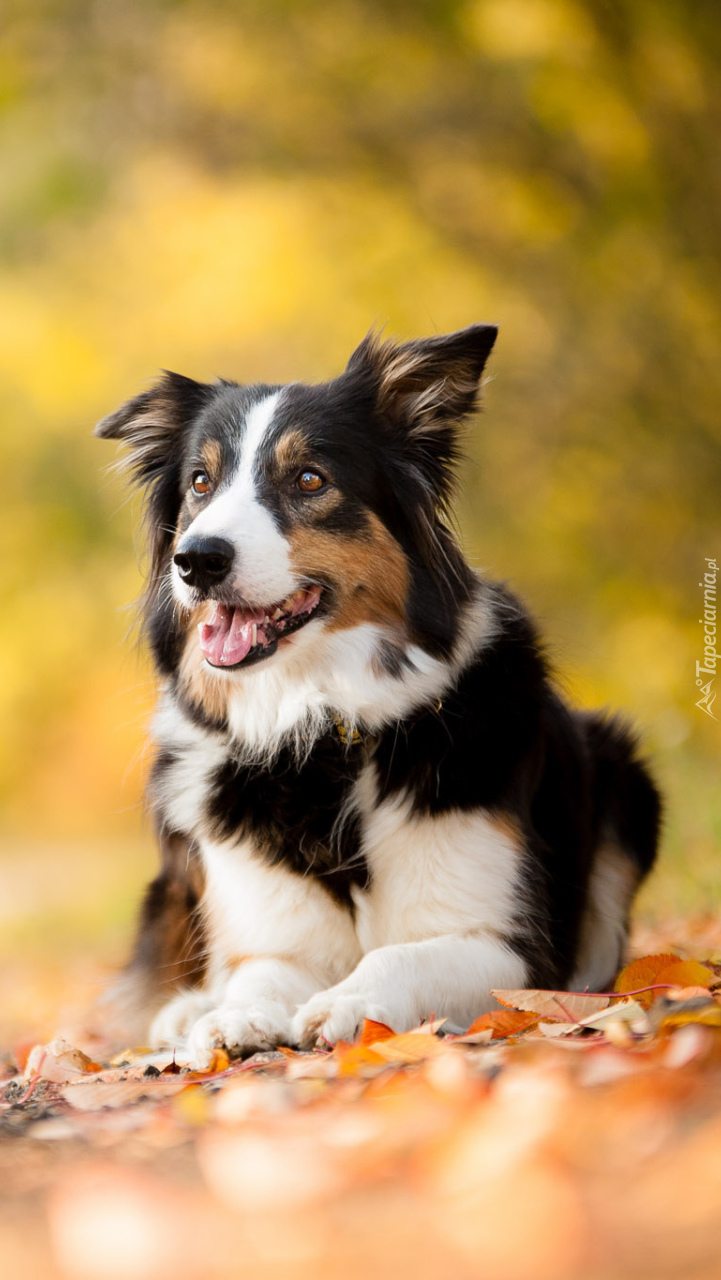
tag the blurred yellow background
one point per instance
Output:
(244, 189)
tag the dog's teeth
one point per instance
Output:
(278, 614)
(266, 620)
(254, 634)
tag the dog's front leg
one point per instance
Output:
(255, 1010)
(448, 977)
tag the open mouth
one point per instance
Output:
(236, 636)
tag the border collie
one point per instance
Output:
(371, 801)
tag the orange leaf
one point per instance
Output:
(220, 1062)
(374, 1031)
(643, 972)
(661, 970)
(353, 1058)
(408, 1047)
(503, 1022)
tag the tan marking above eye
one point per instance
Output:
(291, 454)
(310, 482)
(211, 458)
(200, 483)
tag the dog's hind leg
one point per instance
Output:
(170, 945)
(627, 817)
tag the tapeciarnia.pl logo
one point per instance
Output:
(708, 622)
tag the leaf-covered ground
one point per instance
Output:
(564, 1136)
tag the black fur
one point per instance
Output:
(291, 810)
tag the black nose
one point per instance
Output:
(204, 562)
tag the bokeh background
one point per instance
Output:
(244, 189)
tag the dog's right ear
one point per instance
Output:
(151, 423)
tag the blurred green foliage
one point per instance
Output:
(243, 189)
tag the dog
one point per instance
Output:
(370, 800)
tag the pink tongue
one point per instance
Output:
(228, 637)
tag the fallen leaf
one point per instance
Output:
(430, 1028)
(473, 1037)
(220, 1062)
(96, 1095)
(700, 1010)
(192, 1105)
(622, 1011)
(128, 1056)
(645, 973)
(22, 1052)
(564, 1006)
(501, 1023)
(687, 973)
(312, 1066)
(408, 1047)
(686, 993)
(374, 1031)
(353, 1059)
(58, 1062)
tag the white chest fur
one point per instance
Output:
(433, 875)
(254, 909)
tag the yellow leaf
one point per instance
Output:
(192, 1105)
(687, 973)
(710, 1016)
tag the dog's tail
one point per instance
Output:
(626, 823)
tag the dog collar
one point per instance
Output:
(351, 737)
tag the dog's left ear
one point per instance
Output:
(425, 389)
(150, 424)
(429, 381)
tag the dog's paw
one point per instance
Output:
(172, 1024)
(334, 1015)
(240, 1029)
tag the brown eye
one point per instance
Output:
(200, 482)
(310, 482)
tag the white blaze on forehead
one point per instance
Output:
(262, 571)
(257, 426)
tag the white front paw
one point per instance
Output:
(333, 1015)
(171, 1025)
(238, 1028)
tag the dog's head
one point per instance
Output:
(282, 515)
